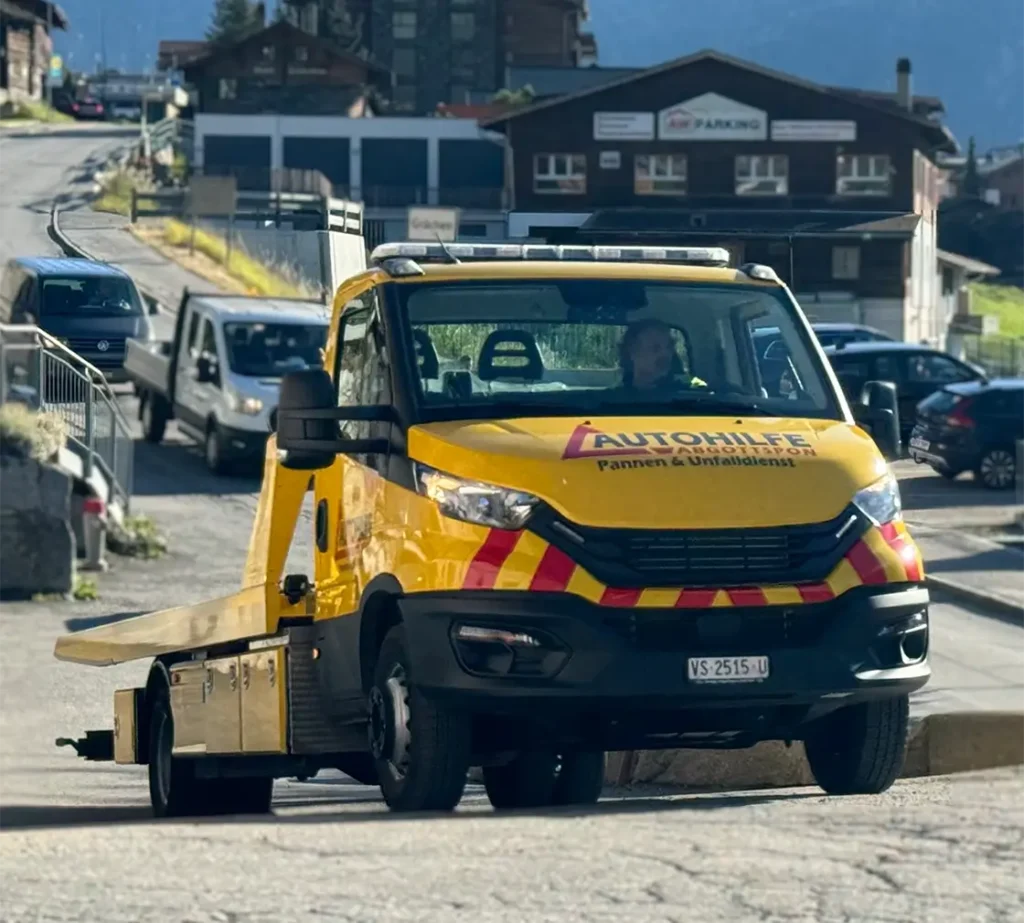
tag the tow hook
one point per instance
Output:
(97, 746)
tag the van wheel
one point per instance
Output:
(527, 782)
(421, 749)
(860, 749)
(580, 778)
(213, 449)
(174, 789)
(154, 418)
(997, 469)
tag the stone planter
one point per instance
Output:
(37, 543)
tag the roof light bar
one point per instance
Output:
(695, 256)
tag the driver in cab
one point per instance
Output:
(649, 361)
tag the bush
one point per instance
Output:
(31, 434)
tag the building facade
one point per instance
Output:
(26, 45)
(837, 189)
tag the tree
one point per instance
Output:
(234, 20)
(338, 26)
(972, 181)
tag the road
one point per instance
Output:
(76, 845)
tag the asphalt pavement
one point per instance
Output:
(77, 845)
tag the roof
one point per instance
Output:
(561, 81)
(923, 105)
(967, 263)
(760, 222)
(991, 384)
(265, 310)
(828, 327)
(284, 27)
(479, 111)
(67, 266)
(942, 136)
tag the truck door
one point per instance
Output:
(186, 398)
(350, 494)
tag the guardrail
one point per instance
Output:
(278, 207)
(40, 371)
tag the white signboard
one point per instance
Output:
(623, 126)
(813, 130)
(711, 117)
(431, 223)
(610, 160)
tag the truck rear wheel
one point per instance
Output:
(542, 779)
(421, 749)
(154, 417)
(860, 749)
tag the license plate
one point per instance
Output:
(726, 669)
(916, 442)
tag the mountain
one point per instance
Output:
(973, 61)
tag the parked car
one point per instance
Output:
(972, 426)
(916, 371)
(92, 307)
(88, 107)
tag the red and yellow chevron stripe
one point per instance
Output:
(523, 561)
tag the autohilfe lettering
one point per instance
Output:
(588, 442)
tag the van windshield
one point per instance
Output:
(259, 350)
(627, 347)
(92, 296)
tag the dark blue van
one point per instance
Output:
(92, 307)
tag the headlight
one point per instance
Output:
(248, 405)
(881, 501)
(473, 501)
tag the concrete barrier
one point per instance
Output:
(937, 745)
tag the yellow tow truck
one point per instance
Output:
(563, 505)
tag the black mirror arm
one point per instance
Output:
(371, 413)
(340, 445)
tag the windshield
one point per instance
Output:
(624, 347)
(96, 296)
(271, 350)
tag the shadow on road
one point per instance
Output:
(935, 492)
(24, 817)
(178, 468)
(998, 559)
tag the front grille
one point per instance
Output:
(722, 631)
(706, 557)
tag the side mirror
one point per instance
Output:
(206, 370)
(152, 305)
(307, 422)
(879, 413)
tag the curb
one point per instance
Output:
(937, 745)
(997, 606)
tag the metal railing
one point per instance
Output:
(998, 355)
(36, 369)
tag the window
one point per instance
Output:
(863, 174)
(403, 62)
(630, 347)
(227, 88)
(271, 350)
(762, 174)
(463, 27)
(659, 174)
(301, 54)
(846, 262)
(96, 296)
(403, 24)
(560, 174)
(363, 376)
(935, 367)
(193, 335)
(208, 346)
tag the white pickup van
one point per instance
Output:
(219, 377)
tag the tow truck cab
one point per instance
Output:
(559, 511)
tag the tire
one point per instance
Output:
(213, 450)
(421, 749)
(174, 789)
(537, 779)
(997, 468)
(948, 473)
(154, 418)
(580, 778)
(860, 749)
(527, 782)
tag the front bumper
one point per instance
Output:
(942, 449)
(603, 661)
(243, 444)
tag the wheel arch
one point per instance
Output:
(158, 680)
(378, 614)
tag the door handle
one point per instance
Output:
(321, 526)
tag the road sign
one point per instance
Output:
(56, 67)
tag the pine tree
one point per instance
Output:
(337, 25)
(233, 20)
(972, 181)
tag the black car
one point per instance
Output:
(973, 426)
(916, 371)
(92, 307)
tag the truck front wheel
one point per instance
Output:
(860, 749)
(421, 749)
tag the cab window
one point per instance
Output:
(935, 367)
(570, 346)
